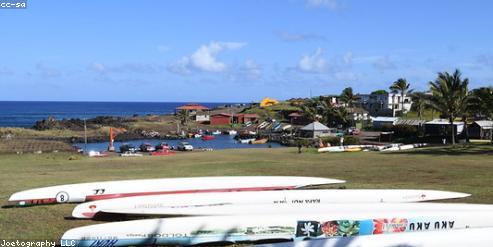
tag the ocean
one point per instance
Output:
(26, 113)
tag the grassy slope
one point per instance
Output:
(465, 170)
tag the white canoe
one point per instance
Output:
(302, 208)
(478, 237)
(300, 197)
(237, 229)
(131, 155)
(115, 189)
(331, 149)
(406, 147)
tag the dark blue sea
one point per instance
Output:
(26, 113)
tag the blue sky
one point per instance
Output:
(237, 51)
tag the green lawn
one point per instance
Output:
(460, 169)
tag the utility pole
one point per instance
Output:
(85, 136)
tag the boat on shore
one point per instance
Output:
(147, 147)
(305, 207)
(208, 137)
(260, 141)
(280, 197)
(97, 154)
(130, 154)
(479, 237)
(75, 193)
(246, 141)
(275, 226)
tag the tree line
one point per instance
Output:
(448, 95)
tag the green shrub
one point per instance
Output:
(336, 141)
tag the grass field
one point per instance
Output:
(458, 169)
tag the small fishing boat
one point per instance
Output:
(232, 132)
(162, 146)
(217, 132)
(197, 135)
(246, 141)
(208, 137)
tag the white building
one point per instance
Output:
(382, 103)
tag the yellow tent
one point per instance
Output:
(268, 102)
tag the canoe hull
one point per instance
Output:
(234, 229)
(297, 197)
(481, 237)
(115, 189)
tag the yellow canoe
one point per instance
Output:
(260, 141)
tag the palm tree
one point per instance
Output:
(310, 109)
(449, 96)
(481, 103)
(321, 110)
(402, 86)
(420, 103)
(348, 97)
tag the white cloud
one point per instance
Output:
(329, 4)
(252, 69)
(204, 59)
(348, 58)
(181, 66)
(248, 71)
(314, 63)
(98, 67)
(384, 63)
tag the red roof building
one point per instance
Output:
(245, 118)
(221, 119)
(192, 107)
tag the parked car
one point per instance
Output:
(146, 147)
(185, 146)
(127, 148)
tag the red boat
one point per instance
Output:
(208, 137)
